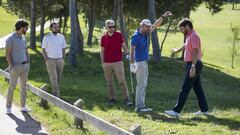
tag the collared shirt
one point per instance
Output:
(54, 45)
(18, 45)
(192, 41)
(141, 42)
(112, 47)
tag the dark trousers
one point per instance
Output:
(190, 83)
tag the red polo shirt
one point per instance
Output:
(112, 47)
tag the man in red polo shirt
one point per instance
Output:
(112, 43)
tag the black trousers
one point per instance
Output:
(190, 83)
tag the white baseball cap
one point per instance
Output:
(146, 22)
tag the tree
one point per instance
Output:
(121, 20)
(115, 11)
(42, 22)
(76, 43)
(33, 25)
(73, 42)
(91, 21)
(79, 34)
(154, 36)
(235, 39)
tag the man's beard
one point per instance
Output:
(55, 32)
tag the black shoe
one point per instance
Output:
(111, 102)
(127, 102)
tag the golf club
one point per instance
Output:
(131, 79)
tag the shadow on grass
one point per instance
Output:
(88, 83)
(231, 123)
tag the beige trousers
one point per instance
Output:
(55, 69)
(18, 71)
(109, 69)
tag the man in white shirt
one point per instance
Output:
(53, 49)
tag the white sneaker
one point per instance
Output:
(145, 109)
(25, 109)
(172, 113)
(201, 113)
(8, 111)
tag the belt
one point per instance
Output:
(190, 62)
(24, 62)
(55, 58)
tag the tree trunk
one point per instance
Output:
(115, 11)
(233, 54)
(155, 43)
(233, 5)
(73, 42)
(80, 41)
(60, 21)
(91, 22)
(42, 20)
(65, 23)
(0, 2)
(33, 25)
(187, 9)
(165, 36)
(122, 22)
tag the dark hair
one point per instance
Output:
(184, 22)
(53, 23)
(20, 23)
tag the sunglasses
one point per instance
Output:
(111, 27)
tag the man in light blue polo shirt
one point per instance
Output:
(140, 56)
(18, 61)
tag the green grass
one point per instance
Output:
(7, 22)
(221, 86)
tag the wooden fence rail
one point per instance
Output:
(77, 112)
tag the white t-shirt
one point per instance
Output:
(54, 45)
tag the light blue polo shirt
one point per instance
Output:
(141, 42)
(18, 45)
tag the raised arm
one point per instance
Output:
(159, 21)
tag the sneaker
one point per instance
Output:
(172, 113)
(111, 102)
(26, 110)
(145, 109)
(9, 111)
(201, 113)
(127, 102)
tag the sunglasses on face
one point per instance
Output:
(110, 27)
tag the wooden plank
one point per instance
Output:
(79, 113)
(136, 129)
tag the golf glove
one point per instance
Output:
(133, 68)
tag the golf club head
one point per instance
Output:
(128, 57)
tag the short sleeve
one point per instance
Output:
(134, 41)
(64, 44)
(44, 43)
(102, 41)
(9, 43)
(121, 38)
(195, 41)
